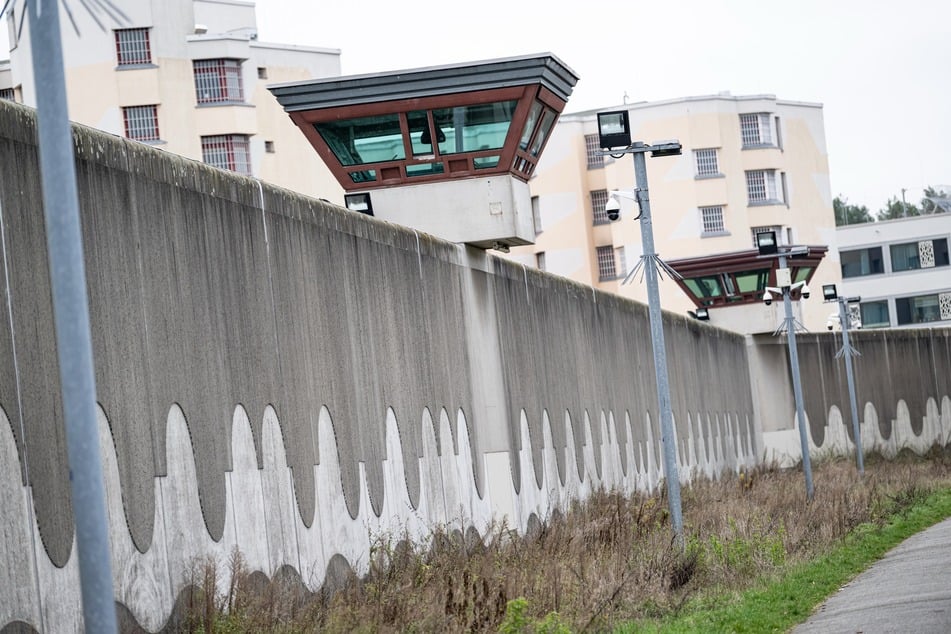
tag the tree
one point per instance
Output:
(895, 208)
(935, 201)
(846, 214)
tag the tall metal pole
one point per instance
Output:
(71, 315)
(847, 352)
(797, 386)
(668, 434)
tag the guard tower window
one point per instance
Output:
(432, 125)
(364, 140)
(479, 130)
(473, 128)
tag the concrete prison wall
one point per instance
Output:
(283, 376)
(902, 384)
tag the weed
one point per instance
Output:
(602, 563)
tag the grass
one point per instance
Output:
(758, 558)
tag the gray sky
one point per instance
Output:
(880, 69)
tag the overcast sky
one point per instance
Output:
(882, 70)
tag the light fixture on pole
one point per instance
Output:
(614, 133)
(769, 247)
(830, 294)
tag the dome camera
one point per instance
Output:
(804, 293)
(612, 208)
(767, 298)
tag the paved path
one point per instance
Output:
(908, 590)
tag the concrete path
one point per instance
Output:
(909, 590)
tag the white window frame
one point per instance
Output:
(218, 80)
(706, 162)
(141, 122)
(227, 151)
(761, 187)
(711, 220)
(133, 46)
(599, 200)
(592, 145)
(756, 130)
(607, 266)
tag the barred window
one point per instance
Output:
(592, 145)
(141, 123)
(599, 199)
(706, 162)
(712, 218)
(755, 129)
(228, 152)
(606, 266)
(621, 260)
(132, 47)
(8, 94)
(761, 186)
(218, 80)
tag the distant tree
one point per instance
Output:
(896, 208)
(935, 201)
(846, 214)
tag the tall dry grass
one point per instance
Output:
(607, 560)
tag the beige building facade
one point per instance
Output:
(749, 163)
(186, 76)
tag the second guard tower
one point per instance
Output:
(447, 149)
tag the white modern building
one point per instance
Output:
(900, 269)
(187, 76)
(749, 164)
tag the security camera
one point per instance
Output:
(767, 298)
(829, 326)
(612, 208)
(804, 293)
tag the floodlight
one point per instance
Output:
(359, 203)
(614, 129)
(766, 242)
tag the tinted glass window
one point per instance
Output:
(364, 140)
(917, 310)
(750, 281)
(862, 262)
(874, 314)
(472, 128)
(704, 286)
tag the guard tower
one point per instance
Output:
(447, 149)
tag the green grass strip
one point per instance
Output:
(779, 605)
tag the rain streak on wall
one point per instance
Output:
(210, 290)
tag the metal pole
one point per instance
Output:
(71, 316)
(847, 352)
(668, 434)
(797, 386)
